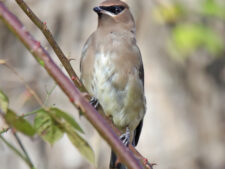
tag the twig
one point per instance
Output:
(15, 150)
(31, 91)
(69, 89)
(43, 27)
(49, 93)
(23, 149)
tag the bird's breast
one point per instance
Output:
(119, 90)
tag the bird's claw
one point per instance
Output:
(94, 102)
(125, 138)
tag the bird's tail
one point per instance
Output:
(113, 164)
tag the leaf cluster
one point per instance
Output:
(50, 124)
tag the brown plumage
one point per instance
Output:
(112, 70)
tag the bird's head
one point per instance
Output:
(113, 12)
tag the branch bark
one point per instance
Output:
(68, 88)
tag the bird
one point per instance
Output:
(112, 71)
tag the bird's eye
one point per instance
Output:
(113, 9)
(118, 9)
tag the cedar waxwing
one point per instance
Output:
(112, 71)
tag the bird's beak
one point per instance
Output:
(97, 9)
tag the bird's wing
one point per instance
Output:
(87, 57)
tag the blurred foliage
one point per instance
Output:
(168, 13)
(212, 8)
(189, 37)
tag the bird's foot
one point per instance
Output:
(94, 102)
(125, 138)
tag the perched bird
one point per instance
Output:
(112, 71)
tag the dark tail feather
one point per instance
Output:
(112, 164)
(113, 159)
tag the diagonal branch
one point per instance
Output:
(68, 88)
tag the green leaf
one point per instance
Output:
(52, 123)
(46, 127)
(4, 102)
(81, 144)
(19, 123)
(67, 118)
(213, 8)
(70, 126)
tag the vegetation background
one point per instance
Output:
(183, 48)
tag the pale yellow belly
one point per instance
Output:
(126, 106)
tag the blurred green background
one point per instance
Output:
(183, 49)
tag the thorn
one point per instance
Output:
(36, 46)
(145, 161)
(85, 94)
(73, 78)
(71, 59)
(147, 164)
(45, 25)
(38, 43)
(71, 99)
